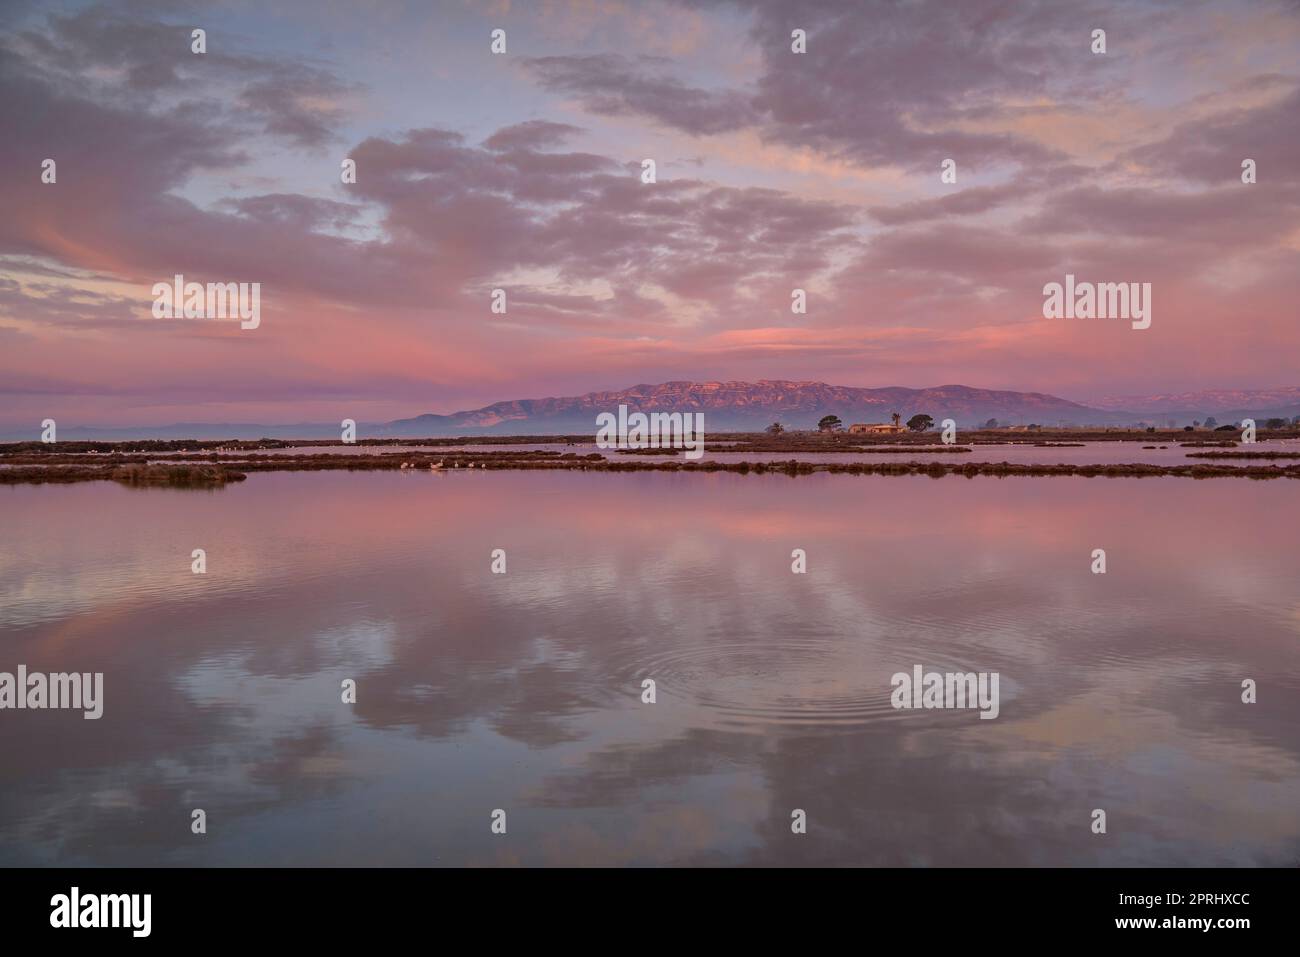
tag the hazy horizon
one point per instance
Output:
(1110, 412)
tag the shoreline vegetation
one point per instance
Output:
(175, 476)
(133, 475)
(210, 464)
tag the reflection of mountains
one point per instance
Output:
(522, 691)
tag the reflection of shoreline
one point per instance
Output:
(223, 469)
(190, 463)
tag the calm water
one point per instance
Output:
(522, 691)
(1084, 453)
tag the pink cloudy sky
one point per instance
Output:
(522, 171)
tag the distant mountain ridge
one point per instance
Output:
(1224, 404)
(1210, 398)
(744, 406)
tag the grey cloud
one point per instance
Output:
(614, 85)
(287, 99)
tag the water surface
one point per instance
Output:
(1017, 453)
(523, 691)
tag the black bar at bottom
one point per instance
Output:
(334, 907)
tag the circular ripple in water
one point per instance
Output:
(807, 683)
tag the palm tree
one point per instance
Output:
(897, 417)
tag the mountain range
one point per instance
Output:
(750, 406)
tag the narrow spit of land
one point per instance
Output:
(193, 463)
